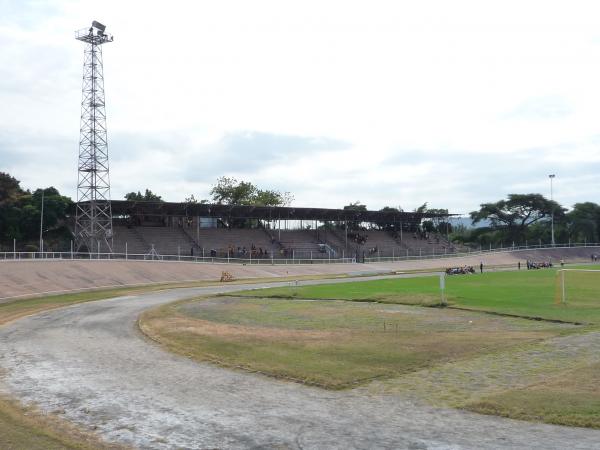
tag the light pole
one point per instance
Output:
(552, 176)
(41, 247)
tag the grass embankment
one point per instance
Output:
(22, 428)
(332, 344)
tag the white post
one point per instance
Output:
(562, 280)
(178, 253)
(551, 176)
(14, 248)
(98, 249)
(71, 249)
(443, 287)
(126, 253)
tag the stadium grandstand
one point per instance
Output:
(236, 231)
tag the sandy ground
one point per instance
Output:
(90, 363)
(26, 277)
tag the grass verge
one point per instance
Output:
(25, 428)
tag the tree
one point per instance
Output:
(230, 191)
(386, 225)
(268, 197)
(10, 189)
(515, 215)
(422, 208)
(20, 210)
(356, 206)
(583, 222)
(148, 196)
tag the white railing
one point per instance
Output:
(64, 256)
(309, 258)
(480, 251)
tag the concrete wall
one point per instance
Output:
(26, 278)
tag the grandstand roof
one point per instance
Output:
(126, 208)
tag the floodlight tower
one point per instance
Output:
(93, 219)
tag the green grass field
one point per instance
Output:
(526, 293)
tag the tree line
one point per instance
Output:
(519, 218)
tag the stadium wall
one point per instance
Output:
(20, 279)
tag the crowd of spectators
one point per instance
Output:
(463, 270)
(373, 250)
(358, 238)
(538, 265)
(240, 252)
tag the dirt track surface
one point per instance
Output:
(90, 363)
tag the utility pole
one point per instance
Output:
(42, 224)
(552, 176)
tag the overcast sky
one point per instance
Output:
(388, 102)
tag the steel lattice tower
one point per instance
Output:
(93, 220)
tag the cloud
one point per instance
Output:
(542, 108)
(246, 152)
(478, 106)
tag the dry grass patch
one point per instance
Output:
(333, 344)
(570, 398)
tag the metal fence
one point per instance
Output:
(473, 252)
(303, 258)
(67, 256)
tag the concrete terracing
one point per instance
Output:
(27, 277)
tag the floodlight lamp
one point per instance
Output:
(97, 25)
(552, 175)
